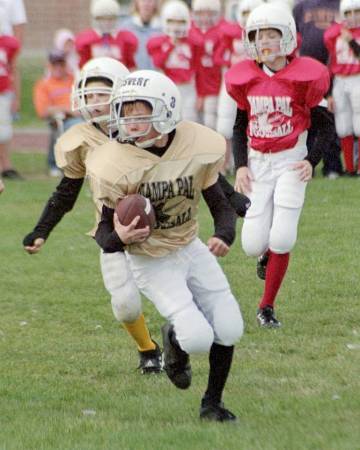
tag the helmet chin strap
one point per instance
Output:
(149, 142)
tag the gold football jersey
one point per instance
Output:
(173, 182)
(71, 152)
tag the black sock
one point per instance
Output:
(220, 359)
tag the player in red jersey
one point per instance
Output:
(207, 31)
(175, 53)
(277, 98)
(104, 39)
(9, 47)
(343, 43)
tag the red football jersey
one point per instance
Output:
(342, 59)
(121, 46)
(178, 61)
(208, 74)
(9, 46)
(231, 46)
(278, 106)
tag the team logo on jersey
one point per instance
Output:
(270, 116)
(169, 199)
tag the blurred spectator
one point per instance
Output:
(104, 39)
(64, 40)
(52, 102)
(144, 22)
(9, 47)
(312, 18)
(13, 20)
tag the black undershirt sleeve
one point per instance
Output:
(322, 119)
(105, 235)
(222, 212)
(60, 202)
(239, 139)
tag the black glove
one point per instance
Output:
(240, 203)
(30, 238)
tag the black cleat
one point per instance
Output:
(266, 318)
(261, 266)
(176, 361)
(215, 412)
(150, 361)
(11, 174)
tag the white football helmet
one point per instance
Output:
(244, 8)
(289, 4)
(206, 13)
(105, 15)
(156, 89)
(270, 16)
(349, 14)
(109, 70)
(175, 19)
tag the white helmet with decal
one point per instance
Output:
(175, 18)
(107, 70)
(159, 92)
(105, 15)
(270, 16)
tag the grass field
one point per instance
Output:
(67, 370)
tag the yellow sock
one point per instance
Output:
(140, 333)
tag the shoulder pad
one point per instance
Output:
(157, 41)
(86, 37)
(332, 32)
(231, 30)
(127, 37)
(304, 69)
(243, 72)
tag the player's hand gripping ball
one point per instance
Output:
(136, 205)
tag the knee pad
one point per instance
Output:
(193, 331)
(228, 322)
(126, 304)
(282, 242)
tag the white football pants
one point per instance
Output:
(188, 101)
(210, 111)
(277, 198)
(346, 93)
(190, 290)
(120, 283)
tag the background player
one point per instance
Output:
(104, 38)
(172, 164)
(92, 94)
(342, 41)
(274, 97)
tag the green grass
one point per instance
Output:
(293, 388)
(31, 69)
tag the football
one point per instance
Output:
(136, 205)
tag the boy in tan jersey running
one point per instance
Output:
(92, 95)
(172, 164)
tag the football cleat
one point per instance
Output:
(266, 318)
(176, 361)
(261, 266)
(215, 412)
(150, 361)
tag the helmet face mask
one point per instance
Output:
(175, 19)
(154, 108)
(270, 18)
(206, 13)
(94, 87)
(352, 18)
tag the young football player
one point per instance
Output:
(175, 53)
(104, 38)
(277, 98)
(93, 89)
(172, 163)
(342, 41)
(206, 31)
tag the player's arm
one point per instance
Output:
(238, 201)
(240, 152)
(224, 219)
(60, 202)
(106, 236)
